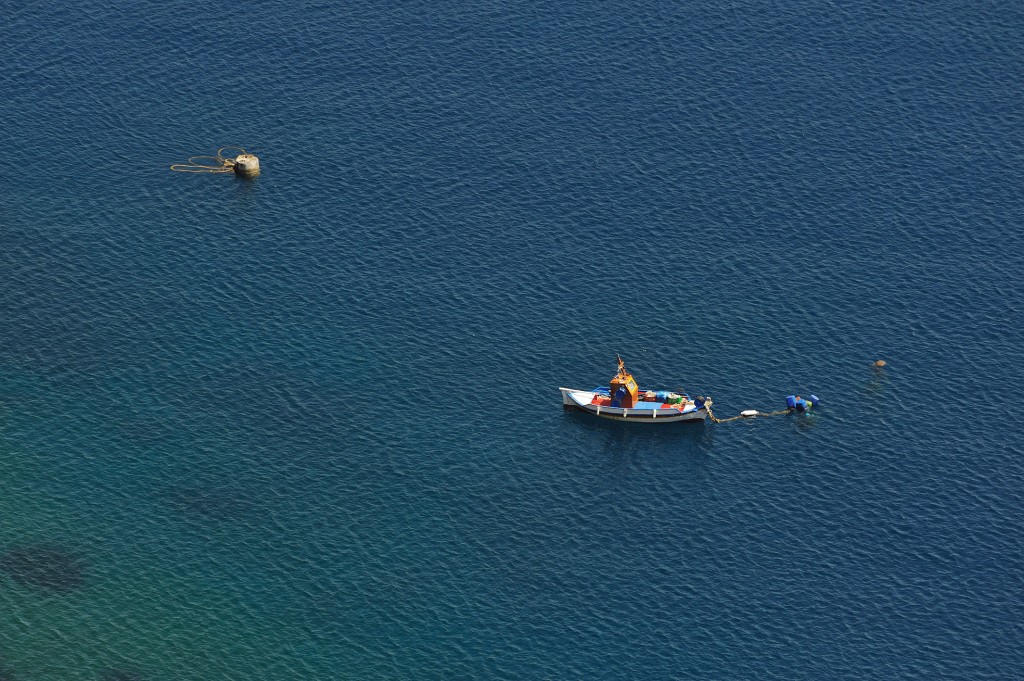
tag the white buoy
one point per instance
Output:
(247, 165)
(749, 412)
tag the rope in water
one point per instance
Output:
(221, 164)
(759, 414)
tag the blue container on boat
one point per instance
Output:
(698, 402)
(620, 395)
(791, 401)
(661, 396)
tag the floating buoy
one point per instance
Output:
(247, 165)
(749, 412)
(243, 165)
(879, 363)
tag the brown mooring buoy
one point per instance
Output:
(879, 363)
(247, 165)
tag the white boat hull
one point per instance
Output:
(646, 412)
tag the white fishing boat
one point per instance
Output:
(624, 400)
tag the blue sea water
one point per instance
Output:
(308, 426)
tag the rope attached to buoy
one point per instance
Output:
(750, 414)
(200, 164)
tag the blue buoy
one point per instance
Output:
(815, 401)
(791, 401)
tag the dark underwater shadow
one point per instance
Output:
(877, 384)
(121, 675)
(44, 567)
(626, 445)
(209, 502)
(269, 401)
(141, 430)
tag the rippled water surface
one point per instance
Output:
(308, 426)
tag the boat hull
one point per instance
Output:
(646, 413)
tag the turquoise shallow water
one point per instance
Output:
(308, 426)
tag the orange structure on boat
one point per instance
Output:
(623, 380)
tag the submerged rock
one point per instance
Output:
(44, 567)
